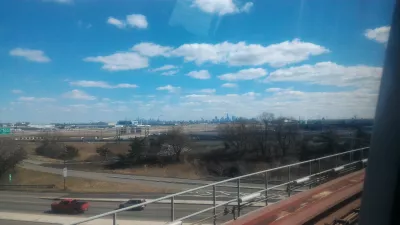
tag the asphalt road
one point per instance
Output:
(31, 203)
(16, 222)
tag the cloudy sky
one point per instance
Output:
(89, 60)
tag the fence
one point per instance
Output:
(318, 171)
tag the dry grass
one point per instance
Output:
(25, 177)
(87, 151)
(183, 170)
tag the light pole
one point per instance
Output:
(65, 166)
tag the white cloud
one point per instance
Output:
(30, 54)
(100, 84)
(207, 91)
(151, 49)
(134, 20)
(287, 103)
(274, 89)
(17, 91)
(124, 85)
(169, 88)
(221, 7)
(116, 22)
(239, 54)
(380, 34)
(165, 67)
(242, 54)
(35, 99)
(229, 85)
(121, 61)
(170, 73)
(60, 1)
(247, 7)
(251, 94)
(201, 75)
(329, 73)
(246, 74)
(82, 24)
(137, 20)
(77, 94)
(284, 91)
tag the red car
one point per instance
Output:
(69, 206)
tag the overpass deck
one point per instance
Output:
(306, 206)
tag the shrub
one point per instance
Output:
(55, 150)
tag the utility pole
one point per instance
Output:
(65, 166)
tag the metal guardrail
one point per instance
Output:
(241, 201)
(45, 186)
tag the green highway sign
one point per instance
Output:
(4, 130)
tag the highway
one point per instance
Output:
(30, 203)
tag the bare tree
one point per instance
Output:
(136, 152)
(261, 133)
(285, 133)
(11, 153)
(178, 141)
(236, 136)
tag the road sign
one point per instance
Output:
(5, 130)
(65, 172)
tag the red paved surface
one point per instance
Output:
(305, 205)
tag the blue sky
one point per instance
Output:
(89, 60)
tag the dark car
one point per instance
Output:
(133, 202)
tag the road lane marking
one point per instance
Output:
(61, 219)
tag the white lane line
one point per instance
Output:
(28, 202)
(61, 219)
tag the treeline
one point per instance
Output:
(162, 149)
(266, 139)
(269, 138)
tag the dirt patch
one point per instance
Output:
(28, 177)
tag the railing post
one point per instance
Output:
(310, 172)
(214, 203)
(238, 197)
(336, 161)
(351, 156)
(319, 171)
(172, 209)
(114, 219)
(288, 185)
(266, 187)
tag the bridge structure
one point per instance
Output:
(261, 190)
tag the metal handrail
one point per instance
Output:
(171, 196)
